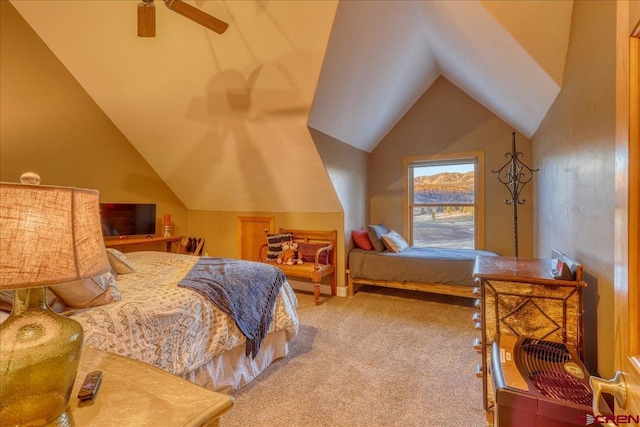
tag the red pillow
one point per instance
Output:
(361, 238)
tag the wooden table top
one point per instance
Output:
(114, 242)
(528, 270)
(134, 393)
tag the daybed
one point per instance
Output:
(389, 261)
(179, 330)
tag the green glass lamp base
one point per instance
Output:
(64, 420)
(39, 357)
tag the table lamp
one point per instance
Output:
(48, 235)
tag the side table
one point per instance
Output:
(520, 297)
(133, 393)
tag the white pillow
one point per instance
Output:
(98, 290)
(54, 303)
(394, 242)
(119, 262)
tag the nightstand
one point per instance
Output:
(136, 394)
(520, 297)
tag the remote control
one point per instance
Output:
(90, 385)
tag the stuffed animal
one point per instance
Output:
(288, 254)
(297, 257)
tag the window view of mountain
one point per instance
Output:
(452, 224)
(444, 188)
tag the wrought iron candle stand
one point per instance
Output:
(515, 175)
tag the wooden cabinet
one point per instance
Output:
(520, 297)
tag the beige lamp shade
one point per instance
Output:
(49, 235)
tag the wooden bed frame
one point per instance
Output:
(436, 288)
(454, 290)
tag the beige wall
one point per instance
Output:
(446, 120)
(348, 168)
(52, 127)
(574, 147)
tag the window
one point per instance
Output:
(444, 200)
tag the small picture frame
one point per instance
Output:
(561, 270)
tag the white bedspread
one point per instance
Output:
(172, 328)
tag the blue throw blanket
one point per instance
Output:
(244, 290)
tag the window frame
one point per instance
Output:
(443, 159)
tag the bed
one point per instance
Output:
(179, 330)
(383, 258)
(441, 271)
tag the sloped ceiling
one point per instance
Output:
(223, 118)
(394, 51)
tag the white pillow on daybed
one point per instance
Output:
(394, 242)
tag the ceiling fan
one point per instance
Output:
(147, 17)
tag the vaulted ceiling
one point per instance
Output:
(223, 118)
(383, 55)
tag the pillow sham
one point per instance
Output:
(6, 302)
(375, 234)
(274, 244)
(98, 290)
(394, 242)
(361, 239)
(119, 262)
(307, 251)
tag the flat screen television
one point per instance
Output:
(128, 219)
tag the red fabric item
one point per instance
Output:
(361, 238)
(307, 251)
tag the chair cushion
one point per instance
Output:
(307, 251)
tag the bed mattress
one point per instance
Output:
(416, 264)
(170, 327)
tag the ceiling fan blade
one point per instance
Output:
(146, 19)
(197, 15)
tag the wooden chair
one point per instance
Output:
(316, 270)
(195, 249)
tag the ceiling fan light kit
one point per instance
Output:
(147, 17)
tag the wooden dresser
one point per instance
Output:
(521, 297)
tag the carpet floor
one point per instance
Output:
(383, 357)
